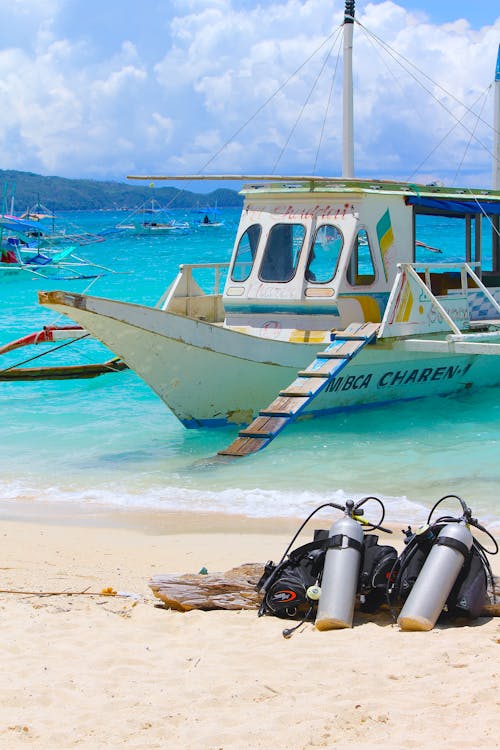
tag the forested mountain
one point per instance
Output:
(62, 194)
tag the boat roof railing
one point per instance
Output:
(333, 184)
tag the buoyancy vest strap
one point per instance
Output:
(338, 541)
(309, 547)
(448, 541)
(327, 543)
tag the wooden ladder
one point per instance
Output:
(344, 346)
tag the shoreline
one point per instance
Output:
(146, 520)
(168, 521)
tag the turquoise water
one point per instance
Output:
(111, 441)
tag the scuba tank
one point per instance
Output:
(437, 577)
(340, 579)
(443, 575)
(292, 588)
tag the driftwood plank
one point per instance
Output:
(234, 589)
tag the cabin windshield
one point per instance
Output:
(281, 254)
(245, 253)
(324, 254)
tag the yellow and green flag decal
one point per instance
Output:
(385, 236)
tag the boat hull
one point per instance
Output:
(211, 376)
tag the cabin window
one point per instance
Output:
(361, 269)
(324, 254)
(245, 253)
(282, 252)
(448, 239)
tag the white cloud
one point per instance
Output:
(77, 105)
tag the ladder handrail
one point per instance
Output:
(432, 297)
(394, 295)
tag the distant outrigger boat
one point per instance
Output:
(151, 219)
(28, 245)
(209, 218)
(42, 229)
(20, 252)
(325, 307)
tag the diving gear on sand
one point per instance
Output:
(442, 568)
(292, 587)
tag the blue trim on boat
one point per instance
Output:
(214, 423)
(277, 309)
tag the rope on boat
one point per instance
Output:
(43, 354)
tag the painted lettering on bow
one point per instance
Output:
(392, 378)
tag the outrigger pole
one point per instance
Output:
(347, 104)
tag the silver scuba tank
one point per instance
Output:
(435, 581)
(340, 575)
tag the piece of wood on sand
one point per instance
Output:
(234, 589)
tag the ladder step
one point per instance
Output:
(323, 369)
(356, 331)
(302, 387)
(264, 426)
(243, 446)
(285, 406)
(341, 349)
(299, 394)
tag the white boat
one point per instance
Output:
(208, 218)
(150, 218)
(326, 306)
(43, 232)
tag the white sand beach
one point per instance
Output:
(89, 671)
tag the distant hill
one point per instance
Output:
(62, 194)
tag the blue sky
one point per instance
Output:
(107, 88)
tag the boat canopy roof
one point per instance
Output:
(458, 207)
(13, 224)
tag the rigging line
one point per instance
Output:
(259, 110)
(488, 218)
(421, 72)
(409, 178)
(49, 351)
(91, 283)
(470, 139)
(327, 110)
(389, 51)
(390, 72)
(269, 99)
(315, 83)
(97, 265)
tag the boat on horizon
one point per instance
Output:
(209, 217)
(328, 304)
(152, 219)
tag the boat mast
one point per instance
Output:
(348, 129)
(496, 128)
(496, 168)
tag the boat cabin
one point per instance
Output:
(315, 259)
(312, 254)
